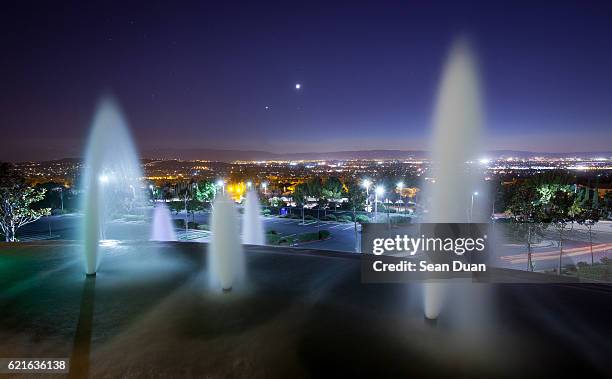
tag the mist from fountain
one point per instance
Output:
(456, 149)
(111, 180)
(226, 263)
(162, 228)
(252, 223)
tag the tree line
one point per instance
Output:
(551, 201)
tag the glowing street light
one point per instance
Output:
(249, 184)
(104, 178)
(298, 86)
(380, 190)
(264, 185)
(400, 187)
(221, 183)
(366, 184)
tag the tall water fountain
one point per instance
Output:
(455, 147)
(226, 265)
(162, 228)
(252, 225)
(111, 180)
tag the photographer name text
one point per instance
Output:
(424, 266)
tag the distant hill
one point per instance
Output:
(529, 154)
(221, 155)
(235, 155)
(357, 154)
(209, 154)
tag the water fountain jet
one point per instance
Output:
(252, 225)
(162, 228)
(226, 266)
(456, 140)
(111, 178)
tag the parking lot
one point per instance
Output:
(66, 227)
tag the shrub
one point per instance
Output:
(596, 272)
(273, 239)
(287, 240)
(400, 220)
(176, 206)
(362, 219)
(329, 218)
(305, 237)
(180, 223)
(323, 234)
(314, 236)
(266, 212)
(309, 218)
(271, 232)
(345, 218)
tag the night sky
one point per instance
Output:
(201, 75)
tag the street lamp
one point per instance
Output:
(103, 178)
(249, 184)
(367, 183)
(472, 205)
(264, 185)
(380, 190)
(221, 183)
(60, 189)
(400, 187)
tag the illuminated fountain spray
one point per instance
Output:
(162, 229)
(111, 180)
(226, 266)
(252, 225)
(455, 142)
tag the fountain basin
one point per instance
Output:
(302, 313)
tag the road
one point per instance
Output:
(509, 255)
(576, 248)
